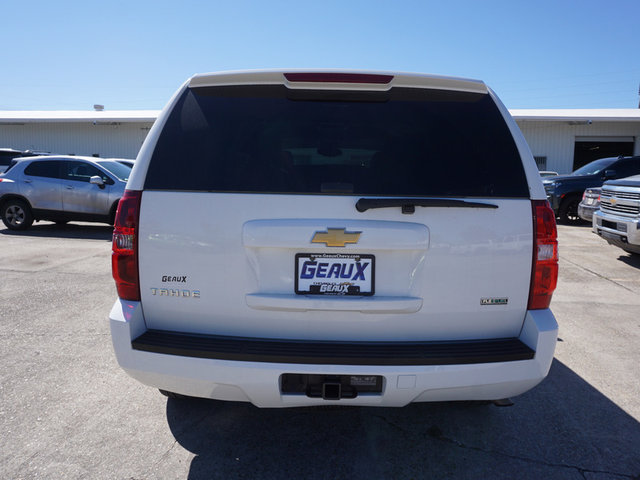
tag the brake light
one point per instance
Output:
(124, 259)
(544, 274)
(322, 77)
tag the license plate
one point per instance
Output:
(589, 201)
(334, 274)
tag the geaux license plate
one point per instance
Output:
(335, 274)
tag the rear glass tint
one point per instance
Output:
(269, 139)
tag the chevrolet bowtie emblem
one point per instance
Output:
(336, 237)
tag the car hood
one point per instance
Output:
(562, 178)
(633, 181)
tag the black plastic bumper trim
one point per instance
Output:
(330, 352)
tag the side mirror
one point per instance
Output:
(96, 180)
(609, 174)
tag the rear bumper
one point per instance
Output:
(484, 370)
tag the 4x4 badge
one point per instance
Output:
(336, 237)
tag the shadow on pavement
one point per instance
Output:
(633, 260)
(564, 428)
(99, 231)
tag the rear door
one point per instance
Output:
(41, 184)
(400, 215)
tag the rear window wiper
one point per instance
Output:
(409, 205)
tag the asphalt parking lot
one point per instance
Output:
(68, 411)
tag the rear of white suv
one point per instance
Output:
(303, 238)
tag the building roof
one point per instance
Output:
(58, 116)
(578, 114)
(133, 116)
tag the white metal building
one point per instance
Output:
(99, 133)
(561, 140)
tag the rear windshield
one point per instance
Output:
(269, 139)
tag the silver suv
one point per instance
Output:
(60, 189)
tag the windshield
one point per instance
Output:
(118, 169)
(594, 167)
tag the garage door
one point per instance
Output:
(588, 149)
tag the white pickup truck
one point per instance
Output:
(618, 220)
(358, 238)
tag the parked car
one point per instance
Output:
(124, 161)
(292, 239)
(564, 192)
(35, 153)
(60, 189)
(6, 155)
(589, 204)
(618, 220)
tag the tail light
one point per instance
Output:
(124, 259)
(544, 275)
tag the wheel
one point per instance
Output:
(16, 214)
(568, 211)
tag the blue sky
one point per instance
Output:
(70, 55)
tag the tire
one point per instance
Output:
(16, 214)
(568, 211)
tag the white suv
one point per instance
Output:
(304, 238)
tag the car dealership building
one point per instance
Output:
(561, 140)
